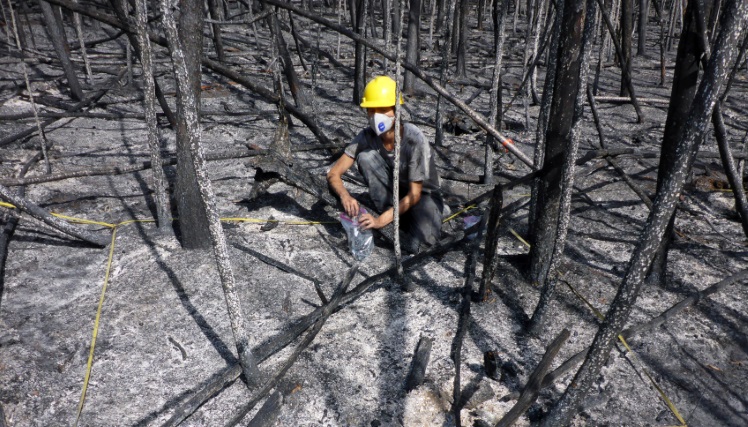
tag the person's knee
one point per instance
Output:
(425, 221)
(368, 161)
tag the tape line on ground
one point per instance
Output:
(114, 228)
(657, 387)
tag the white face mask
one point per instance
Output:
(381, 123)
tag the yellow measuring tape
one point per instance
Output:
(659, 389)
(89, 364)
(114, 228)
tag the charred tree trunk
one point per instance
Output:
(121, 9)
(297, 91)
(643, 20)
(685, 80)
(492, 238)
(562, 142)
(359, 79)
(412, 50)
(448, 28)
(441, 12)
(161, 195)
(496, 115)
(627, 27)
(625, 69)
(545, 107)
(462, 36)
(193, 215)
(183, 55)
(59, 42)
(397, 23)
(733, 21)
(216, 13)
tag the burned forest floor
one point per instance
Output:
(164, 329)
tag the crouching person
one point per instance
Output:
(373, 149)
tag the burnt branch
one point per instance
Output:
(534, 383)
(58, 224)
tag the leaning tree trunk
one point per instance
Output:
(733, 21)
(121, 10)
(60, 44)
(562, 139)
(161, 195)
(189, 107)
(297, 90)
(193, 216)
(685, 80)
(412, 50)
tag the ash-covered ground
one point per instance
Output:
(164, 329)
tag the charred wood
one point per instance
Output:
(534, 383)
(419, 364)
(119, 170)
(277, 343)
(58, 224)
(733, 21)
(30, 131)
(492, 241)
(327, 311)
(464, 319)
(562, 138)
(60, 44)
(268, 413)
(625, 69)
(191, 156)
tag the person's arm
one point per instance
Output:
(411, 199)
(350, 205)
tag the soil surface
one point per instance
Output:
(164, 329)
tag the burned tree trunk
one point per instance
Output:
(461, 36)
(543, 114)
(121, 9)
(733, 21)
(627, 26)
(685, 80)
(495, 117)
(297, 91)
(448, 28)
(397, 23)
(60, 43)
(558, 134)
(359, 76)
(643, 20)
(412, 50)
(189, 107)
(625, 69)
(193, 215)
(161, 194)
(216, 13)
(492, 240)
(554, 195)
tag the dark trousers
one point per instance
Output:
(423, 221)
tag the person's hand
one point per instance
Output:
(350, 205)
(368, 221)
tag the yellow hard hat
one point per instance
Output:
(380, 92)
